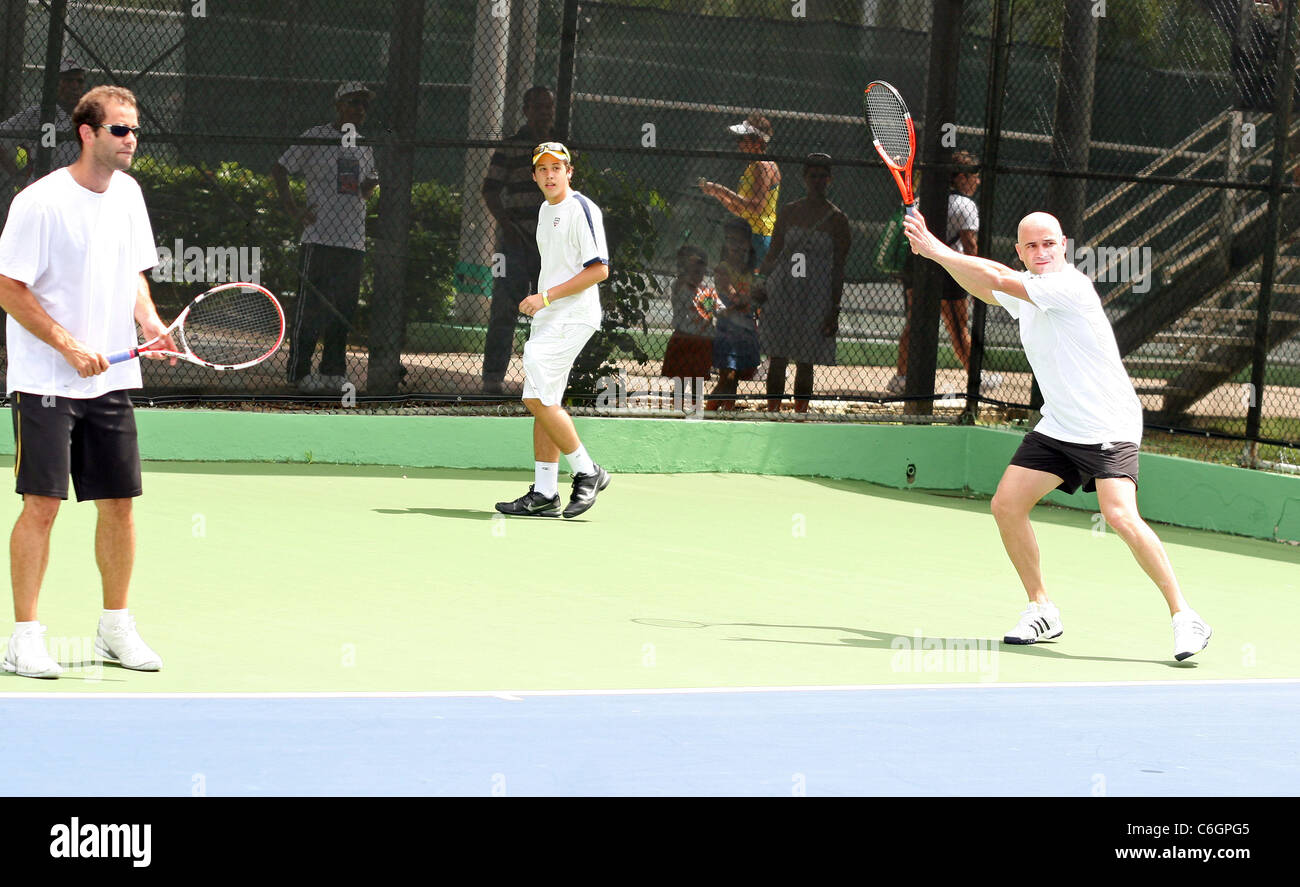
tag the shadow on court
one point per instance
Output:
(883, 640)
(458, 513)
(323, 469)
(477, 514)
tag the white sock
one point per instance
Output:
(111, 618)
(546, 478)
(21, 627)
(580, 462)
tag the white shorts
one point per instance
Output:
(549, 354)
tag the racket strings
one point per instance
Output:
(232, 327)
(887, 116)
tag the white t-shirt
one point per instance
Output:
(80, 253)
(570, 236)
(66, 146)
(963, 215)
(1088, 397)
(334, 174)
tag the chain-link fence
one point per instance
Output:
(371, 164)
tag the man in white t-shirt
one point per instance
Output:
(340, 178)
(1092, 419)
(72, 83)
(566, 314)
(72, 259)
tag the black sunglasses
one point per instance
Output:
(120, 130)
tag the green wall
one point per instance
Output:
(1173, 490)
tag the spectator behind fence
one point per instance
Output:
(340, 178)
(962, 228)
(689, 355)
(735, 338)
(511, 196)
(801, 298)
(754, 200)
(72, 84)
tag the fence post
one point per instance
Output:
(14, 15)
(564, 78)
(940, 108)
(50, 89)
(1286, 59)
(392, 232)
(999, 58)
(1072, 130)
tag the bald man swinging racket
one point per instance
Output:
(1092, 419)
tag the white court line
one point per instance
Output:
(520, 695)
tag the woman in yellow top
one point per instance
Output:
(760, 183)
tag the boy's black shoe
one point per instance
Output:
(585, 488)
(532, 504)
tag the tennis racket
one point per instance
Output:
(229, 327)
(893, 135)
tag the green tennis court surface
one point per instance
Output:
(302, 578)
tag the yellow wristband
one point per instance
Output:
(545, 301)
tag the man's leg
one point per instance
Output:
(115, 549)
(29, 552)
(803, 386)
(543, 497)
(117, 638)
(955, 313)
(304, 327)
(775, 382)
(553, 431)
(1117, 497)
(727, 385)
(507, 293)
(1018, 492)
(906, 335)
(341, 290)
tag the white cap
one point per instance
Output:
(353, 87)
(745, 128)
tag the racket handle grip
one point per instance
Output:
(119, 356)
(910, 209)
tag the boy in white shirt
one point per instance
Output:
(72, 256)
(566, 314)
(1092, 419)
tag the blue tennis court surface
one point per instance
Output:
(1181, 739)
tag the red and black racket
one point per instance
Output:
(893, 135)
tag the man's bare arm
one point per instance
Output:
(978, 276)
(21, 304)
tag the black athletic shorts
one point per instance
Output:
(1077, 464)
(92, 439)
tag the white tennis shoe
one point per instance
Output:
(122, 644)
(1191, 634)
(1039, 622)
(27, 656)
